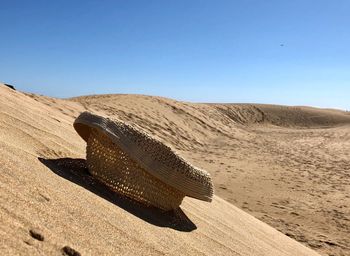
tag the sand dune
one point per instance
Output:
(287, 166)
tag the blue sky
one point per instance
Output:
(282, 52)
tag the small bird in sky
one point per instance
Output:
(281, 45)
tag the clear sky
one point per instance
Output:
(277, 51)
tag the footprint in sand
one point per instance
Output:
(69, 251)
(36, 235)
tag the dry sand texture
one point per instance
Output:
(287, 166)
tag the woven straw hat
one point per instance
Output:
(139, 166)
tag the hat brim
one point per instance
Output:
(190, 180)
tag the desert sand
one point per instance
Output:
(285, 166)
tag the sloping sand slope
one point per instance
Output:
(288, 166)
(53, 199)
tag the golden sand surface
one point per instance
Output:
(287, 166)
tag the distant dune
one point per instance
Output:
(287, 166)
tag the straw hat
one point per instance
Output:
(139, 166)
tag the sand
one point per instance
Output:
(287, 166)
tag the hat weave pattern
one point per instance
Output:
(111, 165)
(127, 159)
